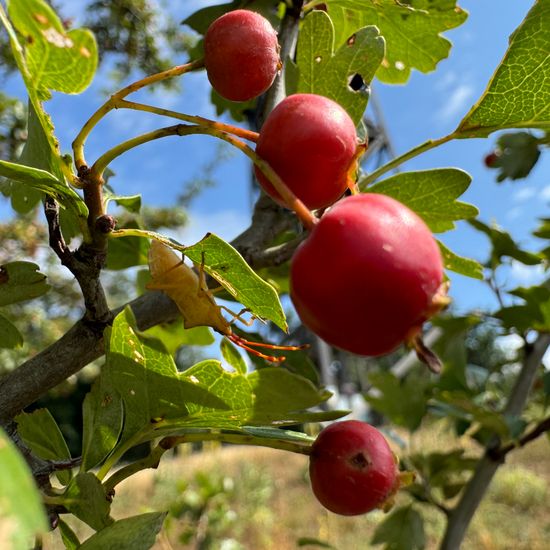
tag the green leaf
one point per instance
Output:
(145, 376)
(323, 71)
(431, 194)
(20, 281)
(85, 497)
(403, 529)
(459, 264)
(131, 203)
(228, 267)
(43, 181)
(232, 356)
(102, 413)
(518, 95)
(444, 469)
(174, 335)
(38, 153)
(135, 533)
(68, 536)
(10, 337)
(516, 154)
(42, 435)
(159, 401)
(128, 252)
(43, 129)
(404, 401)
(533, 314)
(22, 515)
(56, 59)
(460, 405)
(504, 245)
(412, 31)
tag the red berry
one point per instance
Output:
(352, 468)
(241, 55)
(310, 141)
(366, 275)
(491, 159)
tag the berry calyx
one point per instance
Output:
(367, 275)
(310, 142)
(352, 468)
(241, 55)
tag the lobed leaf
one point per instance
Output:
(412, 31)
(158, 400)
(323, 71)
(518, 95)
(504, 245)
(222, 262)
(56, 59)
(22, 515)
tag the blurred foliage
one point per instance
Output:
(515, 154)
(142, 33)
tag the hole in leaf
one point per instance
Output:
(318, 59)
(351, 40)
(356, 82)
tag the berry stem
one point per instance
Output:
(397, 161)
(167, 443)
(201, 121)
(109, 105)
(292, 201)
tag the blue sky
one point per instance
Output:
(429, 106)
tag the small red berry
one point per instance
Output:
(241, 55)
(491, 159)
(352, 468)
(310, 141)
(366, 275)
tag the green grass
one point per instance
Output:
(243, 498)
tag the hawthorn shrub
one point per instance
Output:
(354, 249)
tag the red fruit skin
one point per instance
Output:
(352, 468)
(366, 274)
(310, 141)
(241, 55)
(491, 159)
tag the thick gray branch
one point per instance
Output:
(462, 515)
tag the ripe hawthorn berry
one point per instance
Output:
(365, 278)
(241, 55)
(310, 141)
(352, 468)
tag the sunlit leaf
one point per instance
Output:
(518, 95)
(412, 31)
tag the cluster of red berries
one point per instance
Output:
(366, 276)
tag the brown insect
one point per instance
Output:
(196, 301)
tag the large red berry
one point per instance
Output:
(241, 55)
(352, 468)
(366, 274)
(310, 141)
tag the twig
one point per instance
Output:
(474, 491)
